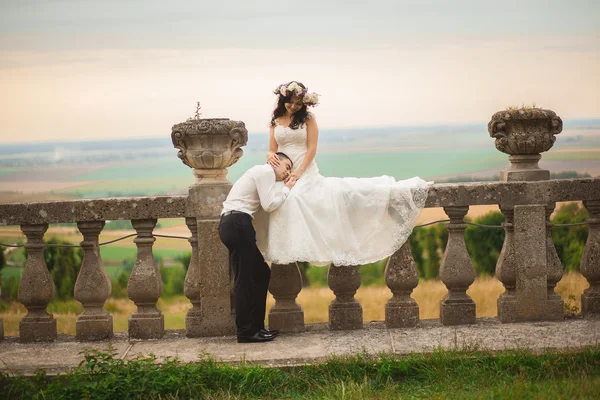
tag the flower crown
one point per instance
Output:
(294, 89)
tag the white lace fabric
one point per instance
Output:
(343, 221)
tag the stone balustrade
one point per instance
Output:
(528, 265)
(207, 283)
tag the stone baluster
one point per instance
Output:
(191, 288)
(36, 289)
(556, 306)
(285, 284)
(401, 277)
(590, 261)
(506, 270)
(92, 287)
(344, 311)
(457, 272)
(145, 286)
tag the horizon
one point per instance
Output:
(72, 70)
(325, 130)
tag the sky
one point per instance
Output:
(83, 70)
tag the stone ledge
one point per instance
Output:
(316, 344)
(513, 193)
(52, 212)
(440, 195)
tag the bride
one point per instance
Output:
(344, 221)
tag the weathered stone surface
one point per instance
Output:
(209, 144)
(524, 168)
(344, 311)
(440, 195)
(531, 253)
(457, 272)
(36, 289)
(525, 131)
(205, 201)
(215, 287)
(506, 270)
(315, 345)
(401, 277)
(512, 193)
(285, 284)
(52, 212)
(145, 286)
(590, 261)
(191, 287)
(92, 287)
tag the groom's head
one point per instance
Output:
(284, 168)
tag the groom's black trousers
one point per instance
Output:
(251, 272)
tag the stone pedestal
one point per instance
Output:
(215, 304)
(524, 168)
(37, 329)
(524, 133)
(530, 250)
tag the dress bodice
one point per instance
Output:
(294, 143)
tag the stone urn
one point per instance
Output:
(524, 133)
(209, 146)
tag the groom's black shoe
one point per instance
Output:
(267, 332)
(258, 337)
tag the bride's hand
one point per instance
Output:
(296, 175)
(273, 159)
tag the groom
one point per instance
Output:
(260, 186)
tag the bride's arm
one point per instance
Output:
(312, 134)
(272, 158)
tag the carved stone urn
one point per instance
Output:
(524, 133)
(209, 146)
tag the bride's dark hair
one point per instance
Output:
(298, 118)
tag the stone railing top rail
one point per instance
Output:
(440, 195)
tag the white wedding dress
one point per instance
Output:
(344, 221)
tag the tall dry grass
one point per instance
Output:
(315, 302)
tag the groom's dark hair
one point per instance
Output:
(280, 154)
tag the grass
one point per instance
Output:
(441, 374)
(314, 301)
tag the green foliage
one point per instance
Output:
(453, 374)
(173, 280)
(120, 224)
(373, 274)
(484, 244)
(10, 288)
(119, 285)
(570, 241)
(64, 264)
(2, 259)
(316, 276)
(184, 259)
